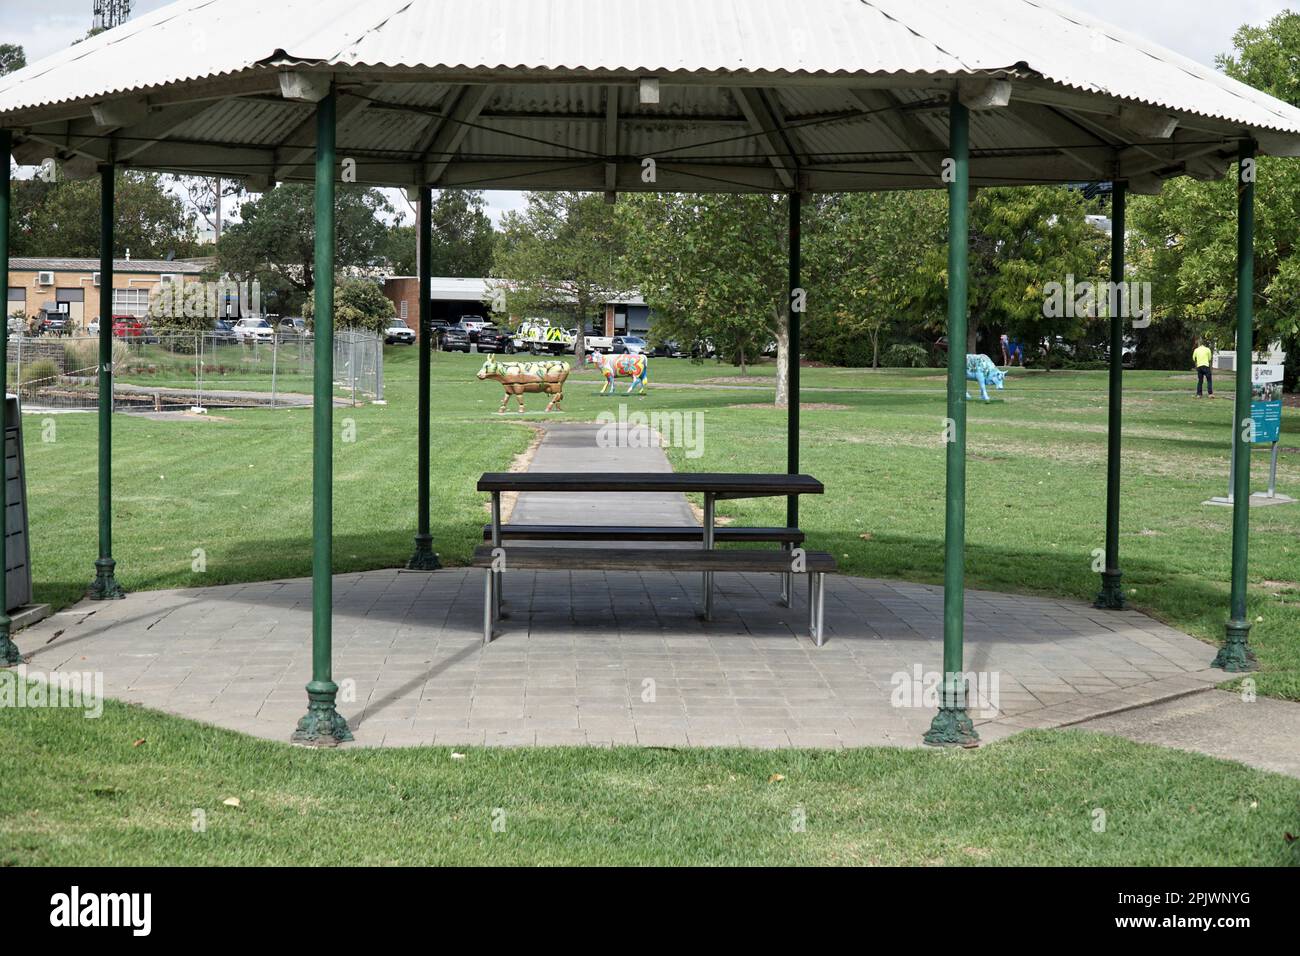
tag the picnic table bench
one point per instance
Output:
(494, 557)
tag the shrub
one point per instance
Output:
(359, 305)
(905, 356)
(40, 369)
(81, 355)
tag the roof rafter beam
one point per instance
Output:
(924, 148)
(768, 131)
(446, 138)
(289, 156)
(611, 143)
(1095, 155)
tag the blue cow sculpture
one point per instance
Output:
(980, 368)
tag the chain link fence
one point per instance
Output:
(212, 370)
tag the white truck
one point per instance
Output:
(538, 335)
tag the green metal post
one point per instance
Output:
(105, 586)
(952, 725)
(792, 351)
(323, 724)
(8, 649)
(424, 558)
(1112, 590)
(1236, 655)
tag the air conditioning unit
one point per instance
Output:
(95, 278)
(167, 277)
(45, 278)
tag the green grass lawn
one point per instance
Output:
(85, 791)
(237, 485)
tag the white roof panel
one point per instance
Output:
(551, 62)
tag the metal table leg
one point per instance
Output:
(708, 546)
(497, 598)
(487, 606)
(787, 580)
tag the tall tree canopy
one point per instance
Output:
(1189, 232)
(714, 267)
(1021, 240)
(275, 238)
(866, 254)
(562, 253)
(463, 238)
(12, 57)
(62, 218)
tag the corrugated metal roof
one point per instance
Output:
(550, 63)
(192, 39)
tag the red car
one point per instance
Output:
(128, 327)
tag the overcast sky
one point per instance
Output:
(1196, 28)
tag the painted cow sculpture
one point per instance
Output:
(980, 368)
(626, 365)
(520, 377)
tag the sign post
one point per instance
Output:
(1265, 429)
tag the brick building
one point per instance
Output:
(72, 285)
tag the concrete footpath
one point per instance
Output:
(1260, 733)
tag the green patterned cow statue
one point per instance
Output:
(521, 377)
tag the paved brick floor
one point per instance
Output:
(610, 659)
(613, 658)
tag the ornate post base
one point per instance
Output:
(105, 586)
(8, 649)
(322, 726)
(1111, 597)
(424, 558)
(952, 727)
(1236, 656)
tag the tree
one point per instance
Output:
(359, 305)
(865, 255)
(62, 218)
(562, 253)
(1189, 232)
(715, 267)
(206, 195)
(462, 242)
(1021, 240)
(12, 57)
(275, 239)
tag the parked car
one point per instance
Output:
(398, 333)
(292, 325)
(223, 333)
(253, 328)
(129, 327)
(493, 339)
(669, 349)
(454, 339)
(54, 323)
(630, 344)
(471, 324)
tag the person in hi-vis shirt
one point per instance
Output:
(1201, 358)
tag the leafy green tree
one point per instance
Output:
(62, 218)
(359, 305)
(462, 242)
(715, 268)
(563, 253)
(1021, 240)
(275, 239)
(1189, 232)
(12, 57)
(865, 255)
